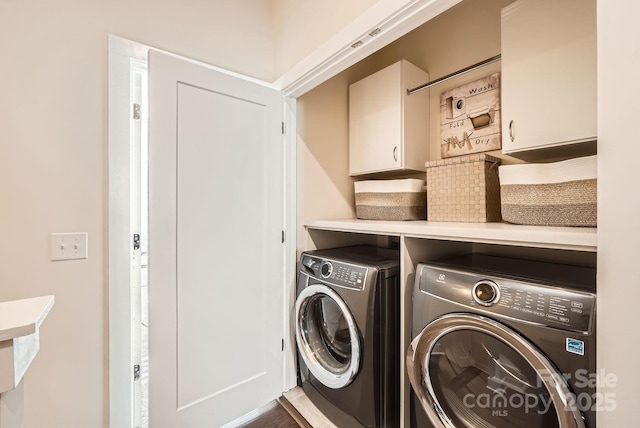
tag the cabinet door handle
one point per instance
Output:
(512, 131)
(395, 153)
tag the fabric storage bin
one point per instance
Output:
(403, 199)
(551, 194)
(464, 189)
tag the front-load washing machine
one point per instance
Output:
(347, 334)
(501, 342)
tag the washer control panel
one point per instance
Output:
(527, 301)
(335, 272)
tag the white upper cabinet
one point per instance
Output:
(388, 129)
(548, 74)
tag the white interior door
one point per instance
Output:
(216, 256)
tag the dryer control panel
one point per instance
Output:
(542, 304)
(335, 272)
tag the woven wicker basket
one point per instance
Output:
(464, 189)
(561, 193)
(403, 199)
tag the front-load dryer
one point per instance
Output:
(347, 333)
(501, 342)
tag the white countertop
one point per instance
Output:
(22, 317)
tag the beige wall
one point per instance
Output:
(618, 208)
(53, 165)
(301, 26)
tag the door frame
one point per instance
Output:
(121, 394)
(353, 43)
(121, 52)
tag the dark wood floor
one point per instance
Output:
(274, 415)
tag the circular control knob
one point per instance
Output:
(326, 269)
(485, 292)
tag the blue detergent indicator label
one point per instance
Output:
(575, 346)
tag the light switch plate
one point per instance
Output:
(69, 246)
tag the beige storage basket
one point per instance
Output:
(551, 194)
(403, 199)
(464, 189)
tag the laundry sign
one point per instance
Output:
(470, 118)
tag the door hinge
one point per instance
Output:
(283, 236)
(136, 372)
(136, 111)
(283, 344)
(136, 241)
(282, 128)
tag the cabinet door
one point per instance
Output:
(375, 122)
(548, 73)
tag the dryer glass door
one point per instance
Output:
(327, 336)
(477, 373)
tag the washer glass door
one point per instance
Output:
(470, 371)
(327, 336)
